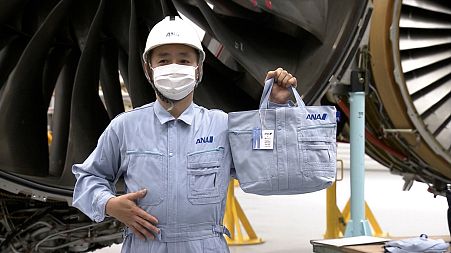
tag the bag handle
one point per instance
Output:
(267, 92)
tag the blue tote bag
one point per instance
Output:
(284, 150)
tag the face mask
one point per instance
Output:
(174, 81)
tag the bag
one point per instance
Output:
(303, 142)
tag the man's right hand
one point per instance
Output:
(124, 209)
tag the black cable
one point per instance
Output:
(36, 216)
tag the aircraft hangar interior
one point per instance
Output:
(378, 72)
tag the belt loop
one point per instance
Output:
(221, 229)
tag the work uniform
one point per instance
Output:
(183, 163)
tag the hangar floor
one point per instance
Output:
(288, 223)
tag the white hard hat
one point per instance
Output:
(173, 30)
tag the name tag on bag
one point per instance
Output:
(262, 139)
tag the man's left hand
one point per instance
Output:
(283, 81)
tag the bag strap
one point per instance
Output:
(267, 92)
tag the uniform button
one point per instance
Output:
(171, 154)
(279, 127)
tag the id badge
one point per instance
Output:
(262, 139)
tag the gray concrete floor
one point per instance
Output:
(288, 223)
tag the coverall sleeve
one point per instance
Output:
(97, 175)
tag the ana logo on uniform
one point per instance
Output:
(208, 139)
(316, 116)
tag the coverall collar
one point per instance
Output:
(164, 116)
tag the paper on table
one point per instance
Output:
(346, 241)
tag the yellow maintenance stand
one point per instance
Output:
(337, 220)
(235, 219)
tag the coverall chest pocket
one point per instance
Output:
(146, 170)
(204, 176)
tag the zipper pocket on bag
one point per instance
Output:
(240, 132)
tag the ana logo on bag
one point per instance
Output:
(316, 116)
(208, 139)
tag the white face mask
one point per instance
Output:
(175, 81)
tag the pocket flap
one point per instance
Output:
(205, 158)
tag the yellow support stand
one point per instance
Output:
(336, 220)
(377, 231)
(234, 217)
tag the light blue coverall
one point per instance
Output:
(185, 165)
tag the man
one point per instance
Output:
(174, 155)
